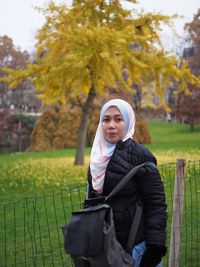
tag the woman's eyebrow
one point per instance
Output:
(113, 115)
(118, 115)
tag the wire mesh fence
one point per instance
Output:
(190, 229)
(189, 251)
(31, 229)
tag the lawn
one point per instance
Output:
(40, 199)
(171, 141)
(28, 173)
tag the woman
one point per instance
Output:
(113, 154)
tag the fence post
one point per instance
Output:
(177, 213)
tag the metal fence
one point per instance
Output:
(31, 229)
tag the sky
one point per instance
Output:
(20, 21)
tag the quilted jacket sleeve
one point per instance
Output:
(152, 193)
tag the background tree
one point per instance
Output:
(188, 106)
(13, 58)
(6, 128)
(83, 51)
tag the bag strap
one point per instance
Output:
(134, 227)
(139, 206)
(126, 179)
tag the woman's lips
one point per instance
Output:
(111, 134)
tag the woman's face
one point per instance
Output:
(113, 125)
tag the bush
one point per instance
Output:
(58, 127)
(13, 125)
(27, 121)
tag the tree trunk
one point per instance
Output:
(192, 127)
(191, 122)
(82, 133)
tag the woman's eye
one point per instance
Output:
(119, 119)
(106, 120)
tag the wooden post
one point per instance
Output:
(19, 139)
(177, 213)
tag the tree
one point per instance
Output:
(188, 110)
(13, 58)
(6, 128)
(83, 51)
(24, 94)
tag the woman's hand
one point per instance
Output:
(152, 256)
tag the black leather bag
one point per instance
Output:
(89, 236)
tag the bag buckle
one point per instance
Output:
(85, 261)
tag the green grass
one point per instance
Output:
(28, 173)
(173, 136)
(31, 229)
(171, 141)
(31, 234)
(165, 137)
(70, 152)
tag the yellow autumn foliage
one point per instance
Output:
(90, 44)
(56, 128)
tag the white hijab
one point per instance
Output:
(102, 150)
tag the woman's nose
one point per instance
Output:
(111, 124)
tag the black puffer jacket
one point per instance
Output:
(146, 184)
